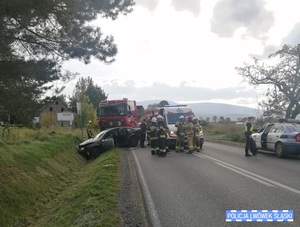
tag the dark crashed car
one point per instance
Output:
(109, 138)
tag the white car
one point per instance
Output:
(283, 138)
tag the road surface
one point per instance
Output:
(197, 189)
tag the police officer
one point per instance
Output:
(152, 132)
(196, 129)
(249, 142)
(190, 134)
(162, 136)
(181, 128)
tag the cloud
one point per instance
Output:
(189, 5)
(269, 49)
(179, 5)
(293, 38)
(231, 15)
(182, 93)
(149, 4)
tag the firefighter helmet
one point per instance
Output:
(153, 119)
(189, 118)
(160, 117)
(181, 117)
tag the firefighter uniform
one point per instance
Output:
(196, 129)
(181, 128)
(89, 130)
(162, 136)
(152, 132)
(190, 134)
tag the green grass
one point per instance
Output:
(225, 133)
(45, 182)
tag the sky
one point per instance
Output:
(187, 51)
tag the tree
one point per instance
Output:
(283, 75)
(36, 37)
(58, 29)
(86, 86)
(221, 119)
(215, 118)
(94, 92)
(87, 111)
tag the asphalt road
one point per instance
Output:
(197, 189)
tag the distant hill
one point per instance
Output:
(204, 110)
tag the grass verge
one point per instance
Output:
(45, 182)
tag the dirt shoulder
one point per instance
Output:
(130, 197)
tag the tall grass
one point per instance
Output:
(45, 182)
(224, 132)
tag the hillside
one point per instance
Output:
(204, 110)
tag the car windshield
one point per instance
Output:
(101, 134)
(115, 110)
(174, 117)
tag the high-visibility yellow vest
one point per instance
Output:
(250, 129)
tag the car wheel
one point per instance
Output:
(279, 150)
(133, 142)
(95, 152)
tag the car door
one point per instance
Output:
(257, 136)
(264, 136)
(274, 135)
(260, 136)
(122, 136)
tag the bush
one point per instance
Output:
(47, 120)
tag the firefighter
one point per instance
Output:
(181, 128)
(143, 128)
(190, 134)
(148, 122)
(162, 136)
(196, 130)
(89, 130)
(152, 132)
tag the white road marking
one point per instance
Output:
(246, 175)
(249, 174)
(147, 195)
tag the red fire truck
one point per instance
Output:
(114, 113)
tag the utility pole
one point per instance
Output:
(79, 111)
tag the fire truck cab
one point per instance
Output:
(115, 113)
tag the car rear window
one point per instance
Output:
(293, 127)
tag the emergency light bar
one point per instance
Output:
(288, 120)
(180, 105)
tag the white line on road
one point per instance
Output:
(247, 173)
(244, 174)
(147, 195)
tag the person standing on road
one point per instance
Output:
(152, 132)
(249, 141)
(196, 129)
(190, 134)
(181, 128)
(162, 136)
(143, 127)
